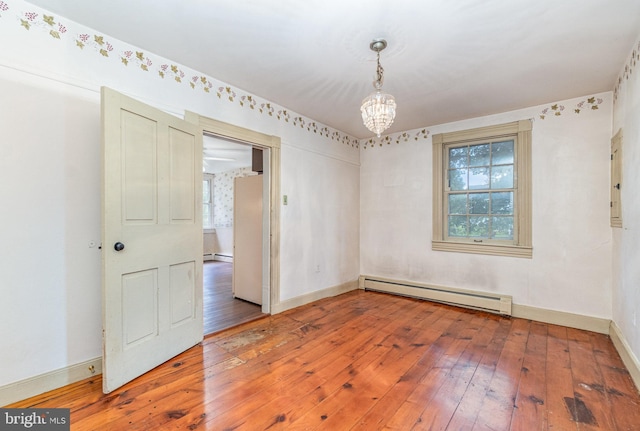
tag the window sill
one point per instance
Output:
(488, 249)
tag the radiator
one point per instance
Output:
(485, 301)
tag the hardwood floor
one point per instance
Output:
(371, 361)
(221, 309)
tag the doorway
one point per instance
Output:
(232, 284)
(271, 198)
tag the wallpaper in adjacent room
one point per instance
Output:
(223, 196)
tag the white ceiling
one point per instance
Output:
(222, 155)
(447, 60)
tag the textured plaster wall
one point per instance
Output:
(626, 241)
(571, 266)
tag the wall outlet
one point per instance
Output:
(285, 200)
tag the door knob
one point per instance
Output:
(118, 246)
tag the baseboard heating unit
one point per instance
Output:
(485, 301)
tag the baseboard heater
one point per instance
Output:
(485, 301)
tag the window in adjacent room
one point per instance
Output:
(482, 190)
(616, 180)
(207, 202)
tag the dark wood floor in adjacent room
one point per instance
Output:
(370, 361)
(221, 309)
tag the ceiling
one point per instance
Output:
(222, 155)
(447, 60)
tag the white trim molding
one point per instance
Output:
(36, 385)
(626, 354)
(562, 318)
(314, 296)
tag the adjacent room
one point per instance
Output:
(420, 215)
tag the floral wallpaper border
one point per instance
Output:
(172, 72)
(627, 72)
(99, 44)
(554, 110)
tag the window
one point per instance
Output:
(207, 201)
(482, 190)
(616, 180)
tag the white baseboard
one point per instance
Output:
(562, 318)
(314, 296)
(624, 350)
(37, 385)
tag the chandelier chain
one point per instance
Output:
(377, 84)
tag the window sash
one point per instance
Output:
(466, 164)
(520, 247)
(207, 202)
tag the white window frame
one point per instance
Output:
(208, 227)
(521, 246)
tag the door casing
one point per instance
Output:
(271, 235)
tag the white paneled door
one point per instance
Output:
(151, 237)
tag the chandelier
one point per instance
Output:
(378, 109)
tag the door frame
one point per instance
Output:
(272, 144)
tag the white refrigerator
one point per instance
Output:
(247, 238)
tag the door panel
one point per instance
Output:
(182, 293)
(152, 203)
(139, 137)
(182, 156)
(139, 306)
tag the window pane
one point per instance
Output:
(502, 177)
(479, 155)
(206, 216)
(458, 226)
(479, 203)
(458, 204)
(458, 179)
(206, 192)
(502, 228)
(502, 203)
(502, 153)
(478, 178)
(458, 157)
(479, 226)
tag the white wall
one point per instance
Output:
(626, 241)
(50, 194)
(50, 183)
(571, 266)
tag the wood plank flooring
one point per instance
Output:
(372, 361)
(221, 309)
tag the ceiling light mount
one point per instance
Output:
(378, 109)
(378, 45)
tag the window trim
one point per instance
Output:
(523, 248)
(210, 178)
